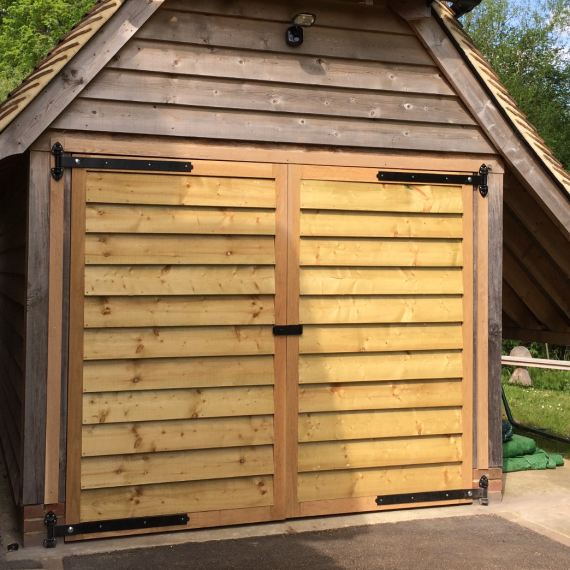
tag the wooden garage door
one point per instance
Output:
(380, 275)
(177, 282)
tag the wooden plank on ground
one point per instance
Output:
(372, 224)
(165, 499)
(172, 467)
(174, 342)
(179, 190)
(111, 218)
(380, 453)
(369, 396)
(331, 369)
(380, 338)
(152, 249)
(373, 482)
(195, 311)
(382, 281)
(185, 280)
(178, 435)
(172, 373)
(158, 405)
(386, 253)
(196, 60)
(377, 310)
(376, 197)
(341, 426)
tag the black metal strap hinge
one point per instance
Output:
(54, 530)
(437, 496)
(478, 180)
(288, 330)
(62, 162)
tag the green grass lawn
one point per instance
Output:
(545, 405)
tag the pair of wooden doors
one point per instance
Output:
(181, 398)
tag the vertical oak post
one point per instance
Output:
(495, 241)
(36, 349)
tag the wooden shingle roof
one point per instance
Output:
(518, 120)
(56, 60)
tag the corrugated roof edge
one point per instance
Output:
(67, 47)
(500, 95)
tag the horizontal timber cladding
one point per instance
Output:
(386, 396)
(331, 369)
(172, 342)
(372, 225)
(145, 405)
(176, 435)
(368, 425)
(123, 249)
(380, 281)
(117, 280)
(429, 309)
(180, 220)
(225, 72)
(178, 311)
(333, 456)
(168, 498)
(383, 381)
(171, 467)
(165, 373)
(372, 482)
(178, 284)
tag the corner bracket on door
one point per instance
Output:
(478, 180)
(288, 330)
(96, 527)
(438, 496)
(62, 161)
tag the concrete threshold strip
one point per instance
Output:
(535, 513)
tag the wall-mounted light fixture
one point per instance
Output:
(294, 35)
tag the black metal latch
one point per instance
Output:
(54, 530)
(288, 330)
(481, 180)
(95, 163)
(436, 496)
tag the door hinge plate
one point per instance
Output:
(437, 496)
(478, 180)
(96, 527)
(96, 163)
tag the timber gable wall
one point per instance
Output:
(222, 70)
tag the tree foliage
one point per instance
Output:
(527, 45)
(29, 29)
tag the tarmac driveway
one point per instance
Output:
(479, 542)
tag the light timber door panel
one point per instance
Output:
(176, 377)
(382, 375)
(182, 400)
